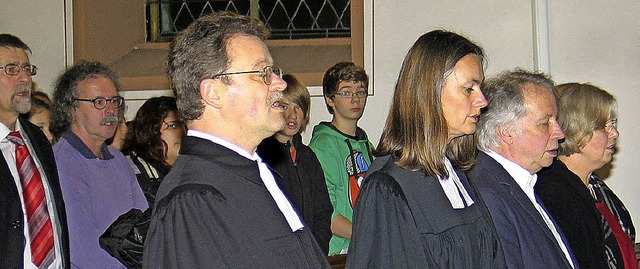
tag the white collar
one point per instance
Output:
(251, 156)
(4, 130)
(525, 180)
(283, 203)
(458, 196)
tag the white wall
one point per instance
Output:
(588, 41)
(40, 24)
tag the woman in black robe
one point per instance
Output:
(416, 208)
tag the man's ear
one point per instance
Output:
(210, 92)
(506, 134)
(329, 101)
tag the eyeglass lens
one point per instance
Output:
(267, 73)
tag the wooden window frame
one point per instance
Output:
(114, 32)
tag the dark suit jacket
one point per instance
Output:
(568, 200)
(213, 211)
(525, 237)
(11, 216)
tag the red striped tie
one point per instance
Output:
(40, 231)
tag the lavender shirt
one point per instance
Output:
(95, 191)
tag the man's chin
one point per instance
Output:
(22, 108)
(278, 127)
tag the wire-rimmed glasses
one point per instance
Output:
(265, 73)
(349, 95)
(610, 125)
(14, 69)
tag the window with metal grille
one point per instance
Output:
(287, 19)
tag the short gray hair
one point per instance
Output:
(506, 102)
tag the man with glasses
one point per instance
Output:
(97, 181)
(33, 222)
(220, 205)
(343, 148)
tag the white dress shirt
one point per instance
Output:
(527, 181)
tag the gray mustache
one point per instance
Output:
(109, 120)
(274, 97)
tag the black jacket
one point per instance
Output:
(568, 201)
(11, 215)
(303, 183)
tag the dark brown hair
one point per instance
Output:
(143, 136)
(341, 72)
(200, 51)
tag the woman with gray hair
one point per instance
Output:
(596, 224)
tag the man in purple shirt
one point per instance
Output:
(97, 182)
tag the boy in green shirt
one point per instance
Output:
(343, 148)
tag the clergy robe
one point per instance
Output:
(403, 219)
(213, 211)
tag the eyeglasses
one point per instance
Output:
(610, 125)
(265, 73)
(100, 102)
(348, 95)
(173, 124)
(14, 69)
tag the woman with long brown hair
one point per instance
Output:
(416, 208)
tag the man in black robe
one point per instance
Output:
(220, 205)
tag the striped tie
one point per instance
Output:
(40, 231)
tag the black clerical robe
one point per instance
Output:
(213, 211)
(403, 219)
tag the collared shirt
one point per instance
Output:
(265, 174)
(77, 144)
(458, 196)
(9, 153)
(527, 181)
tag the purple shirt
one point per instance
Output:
(95, 191)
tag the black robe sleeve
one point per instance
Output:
(198, 220)
(384, 232)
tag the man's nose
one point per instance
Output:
(277, 83)
(111, 107)
(23, 77)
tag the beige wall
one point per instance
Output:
(40, 24)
